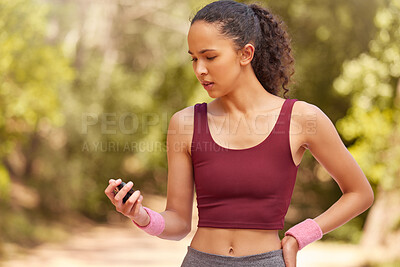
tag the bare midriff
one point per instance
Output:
(235, 242)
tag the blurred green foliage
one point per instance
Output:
(85, 97)
(31, 73)
(4, 184)
(373, 121)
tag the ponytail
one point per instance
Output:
(273, 63)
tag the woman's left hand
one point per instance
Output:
(290, 248)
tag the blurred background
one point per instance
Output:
(87, 88)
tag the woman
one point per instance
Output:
(242, 150)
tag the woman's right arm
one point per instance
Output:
(180, 188)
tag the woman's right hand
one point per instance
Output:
(132, 208)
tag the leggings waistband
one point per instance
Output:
(260, 256)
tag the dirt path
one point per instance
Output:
(126, 245)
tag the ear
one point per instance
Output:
(246, 54)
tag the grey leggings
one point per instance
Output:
(196, 258)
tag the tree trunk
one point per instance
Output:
(382, 227)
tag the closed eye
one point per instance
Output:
(208, 58)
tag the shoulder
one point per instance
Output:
(303, 110)
(311, 122)
(180, 127)
(183, 117)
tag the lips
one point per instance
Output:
(205, 83)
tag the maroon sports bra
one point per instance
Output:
(243, 188)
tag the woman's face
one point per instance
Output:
(216, 62)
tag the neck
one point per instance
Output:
(247, 96)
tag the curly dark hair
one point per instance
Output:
(273, 62)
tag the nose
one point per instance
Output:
(200, 69)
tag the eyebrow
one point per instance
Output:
(202, 51)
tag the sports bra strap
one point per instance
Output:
(283, 122)
(200, 125)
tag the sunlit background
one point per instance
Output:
(87, 88)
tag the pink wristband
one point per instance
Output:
(305, 232)
(156, 225)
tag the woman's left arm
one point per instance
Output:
(319, 135)
(328, 149)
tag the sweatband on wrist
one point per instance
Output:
(156, 225)
(305, 232)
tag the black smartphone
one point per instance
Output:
(130, 192)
